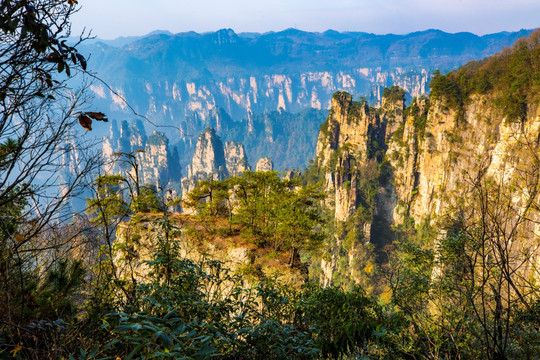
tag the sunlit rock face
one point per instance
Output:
(214, 161)
(235, 158)
(129, 149)
(209, 157)
(435, 157)
(264, 164)
(345, 148)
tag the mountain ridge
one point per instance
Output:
(329, 33)
(182, 79)
(384, 47)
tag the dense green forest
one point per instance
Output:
(78, 286)
(513, 75)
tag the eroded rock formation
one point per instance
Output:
(128, 148)
(214, 161)
(264, 164)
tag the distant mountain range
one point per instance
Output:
(183, 80)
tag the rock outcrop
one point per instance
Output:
(209, 158)
(235, 158)
(349, 143)
(436, 166)
(129, 147)
(214, 161)
(264, 164)
(383, 167)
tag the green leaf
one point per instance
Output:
(93, 353)
(134, 352)
(164, 338)
(82, 60)
(111, 344)
(170, 314)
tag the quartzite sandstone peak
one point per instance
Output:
(427, 163)
(214, 161)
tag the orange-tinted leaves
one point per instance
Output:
(85, 122)
(85, 118)
(99, 116)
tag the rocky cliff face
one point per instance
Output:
(447, 158)
(129, 146)
(241, 97)
(214, 161)
(349, 142)
(235, 158)
(157, 165)
(209, 157)
(385, 166)
(264, 164)
(288, 138)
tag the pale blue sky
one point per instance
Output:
(112, 18)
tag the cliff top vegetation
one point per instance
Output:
(513, 75)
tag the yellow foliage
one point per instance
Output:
(368, 269)
(16, 350)
(386, 296)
